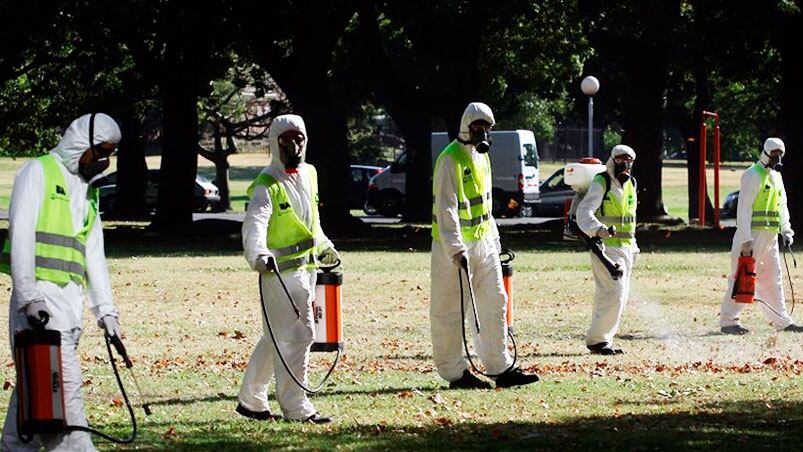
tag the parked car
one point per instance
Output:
(206, 193)
(515, 163)
(553, 196)
(358, 188)
(729, 207)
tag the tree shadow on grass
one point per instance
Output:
(742, 425)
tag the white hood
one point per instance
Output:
(280, 125)
(770, 145)
(76, 139)
(619, 149)
(474, 112)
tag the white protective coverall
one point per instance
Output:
(610, 296)
(65, 303)
(484, 267)
(294, 335)
(769, 282)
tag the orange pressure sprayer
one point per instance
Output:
(506, 257)
(744, 287)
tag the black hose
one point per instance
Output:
(476, 322)
(276, 344)
(128, 440)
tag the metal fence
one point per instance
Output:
(571, 143)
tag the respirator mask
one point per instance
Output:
(93, 171)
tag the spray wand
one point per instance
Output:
(464, 268)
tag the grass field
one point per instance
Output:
(191, 318)
(244, 167)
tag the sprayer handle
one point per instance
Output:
(118, 345)
(40, 322)
(508, 254)
(329, 268)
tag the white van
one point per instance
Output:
(514, 163)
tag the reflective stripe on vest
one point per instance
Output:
(620, 213)
(474, 200)
(289, 239)
(59, 252)
(767, 206)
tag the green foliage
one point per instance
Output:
(611, 136)
(365, 129)
(535, 113)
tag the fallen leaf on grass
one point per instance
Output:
(443, 421)
(436, 398)
(117, 402)
(170, 433)
(7, 384)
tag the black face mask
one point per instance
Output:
(291, 156)
(622, 168)
(774, 162)
(481, 141)
(93, 171)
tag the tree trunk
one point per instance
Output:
(417, 130)
(647, 71)
(220, 157)
(132, 171)
(692, 133)
(792, 114)
(327, 147)
(175, 203)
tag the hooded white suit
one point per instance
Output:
(610, 296)
(294, 335)
(769, 282)
(65, 303)
(483, 265)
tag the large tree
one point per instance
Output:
(635, 40)
(181, 47)
(791, 20)
(296, 46)
(436, 57)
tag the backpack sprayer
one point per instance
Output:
(464, 268)
(744, 286)
(579, 176)
(40, 385)
(326, 312)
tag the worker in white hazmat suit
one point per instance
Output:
(282, 228)
(608, 211)
(465, 237)
(54, 253)
(761, 215)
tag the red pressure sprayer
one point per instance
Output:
(744, 287)
(40, 384)
(506, 257)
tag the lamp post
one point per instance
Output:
(590, 86)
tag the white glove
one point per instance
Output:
(747, 248)
(264, 263)
(110, 325)
(460, 260)
(34, 310)
(329, 257)
(788, 239)
(605, 232)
